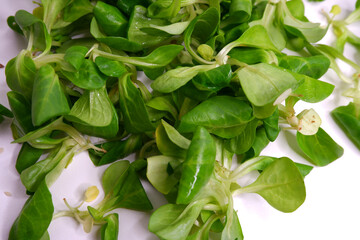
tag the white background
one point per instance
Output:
(331, 210)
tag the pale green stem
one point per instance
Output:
(50, 58)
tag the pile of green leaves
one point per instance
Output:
(347, 117)
(221, 87)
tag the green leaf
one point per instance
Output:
(137, 121)
(110, 230)
(158, 174)
(49, 100)
(347, 117)
(51, 11)
(107, 132)
(87, 77)
(224, 116)
(119, 43)
(178, 77)
(314, 66)
(175, 136)
(115, 150)
(127, 6)
(132, 195)
(252, 55)
(77, 9)
(281, 185)
(240, 11)
(313, 90)
(271, 125)
(172, 29)
(304, 169)
(110, 19)
(110, 68)
(21, 109)
(256, 36)
(27, 157)
(165, 145)
(157, 59)
(35, 217)
(92, 108)
(123, 189)
(214, 79)
(311, 32)
(264, 83)
(5, 112)
(34, 28)
(138, 21)
(320, 147)
(201, 28)
(243, 142)
(163, 103)
(114, 177)
(49, 168)
(173, 221)
(261, 141)
(20, 73)
(75, 55)
(161, 9)
(198, 166)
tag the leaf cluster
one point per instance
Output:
(221, 90)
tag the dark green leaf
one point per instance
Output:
(347, 117)
(252, 55)
(27, 157)
(5, 112)
(218, 114)
(116, 150)
(214, 79)
(49, 100)
(35, 217)
(261, 141)
(125, 189)
(271, 125)
(136, 117)
(243, 142)
(110, 19)
(198, 166)
(21, 109)
(127, 6)
(201, 28)
(119, 43)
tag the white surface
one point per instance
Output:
(331, 210)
